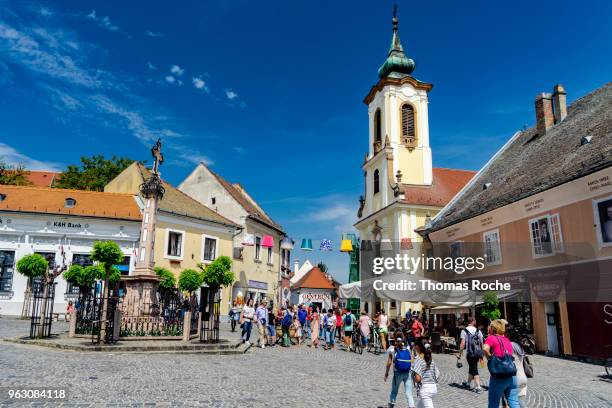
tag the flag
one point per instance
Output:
(326, 245)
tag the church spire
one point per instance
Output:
(397, 63)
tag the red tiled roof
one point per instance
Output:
(314, 279)
(446, 184)
(52, 201)
(42, 178)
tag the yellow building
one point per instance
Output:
(402, 189)
(257, 266)
(187, 232)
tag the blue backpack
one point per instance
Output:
(402, 360)
(287, 320)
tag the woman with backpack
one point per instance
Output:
(472, 342)
(426, 375)
(503, 382)
(399, 357)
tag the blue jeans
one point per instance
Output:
(330, 336)
(400, 377)
(503, 386)
(246, 330)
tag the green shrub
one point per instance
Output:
(168, 281)
(218, 273)
(189, 280)
(32, 266)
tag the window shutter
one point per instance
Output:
(408, 129)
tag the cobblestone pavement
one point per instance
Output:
(272, 377)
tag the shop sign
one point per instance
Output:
(66, 224)
(547, 291)
(313, 297)
(258, 285)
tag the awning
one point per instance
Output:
(350, 290)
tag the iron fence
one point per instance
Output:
(43, 296)
(161, 318)
(210, 301)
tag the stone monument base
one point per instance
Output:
(140, 295)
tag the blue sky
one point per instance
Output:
(270, 93)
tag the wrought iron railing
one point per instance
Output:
(43, 295)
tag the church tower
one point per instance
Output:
(399, 152)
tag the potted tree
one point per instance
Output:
(31, 266)
(107, 254)
(215, 275)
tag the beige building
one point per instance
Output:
(402, 189)
(541, 212)
(187, 232)
(256, 266)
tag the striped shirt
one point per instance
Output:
(428, 375)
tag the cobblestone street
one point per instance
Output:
(273, 377)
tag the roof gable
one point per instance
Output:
(314, 279)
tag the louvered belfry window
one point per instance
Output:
(377, 127)
(376, 181)
(408, 126)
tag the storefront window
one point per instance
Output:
(124, 266)
(49, 257)
(83, 260)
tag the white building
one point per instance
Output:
(62, 225)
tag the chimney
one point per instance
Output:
(544, 113)
(559, 103)
(296, 266)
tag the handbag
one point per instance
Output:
(501, 367)
(527, 367)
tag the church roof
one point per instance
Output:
(397, 63)
(42, 178)
(314, 279)
(446, 183)
(531, 163)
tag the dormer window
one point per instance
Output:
(408, 126)
(70, 203)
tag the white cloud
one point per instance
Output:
(11, 156)
(170, 79)
(231, 95)
(151, 67)
(239, 150)
(186, 156)
(199, 83)
(176, 70)
(103, 22)
(47, 58)
(154, 34)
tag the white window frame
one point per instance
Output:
(166, 254)
(461, 249)
(495, 251)
(557, 233)
(216, 254)
(257, 247)
(535, 243)
(597, 221)
(270, 256)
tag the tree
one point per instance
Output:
(168, 281)
(108, 254)
(190, 280)
(93, 174)
(322, 267)
(218, 273)
(490, 307)
(13, 175)
(32, 266)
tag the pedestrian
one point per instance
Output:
(497, 348)
(261, 315)
(234, 315)
(302, 315)
(348, 320)
(472, 342)
(398, 356)
(518, 354)
(315, 323)
(271, 327)
(322, 326)
(417, 329)
(364, 328)
(331, 330)
(286, 322)
(246, 321)
(338, 316)
(69, 310)
(426, 375)
(382, 322)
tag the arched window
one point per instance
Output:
(377, 127)
(408, 126)
(376, 181)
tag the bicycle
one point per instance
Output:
(374, 342)
(356, 343)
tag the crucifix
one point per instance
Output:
(157, 154)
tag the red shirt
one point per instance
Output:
(338, 320)
(417, 327)
(495, 343)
